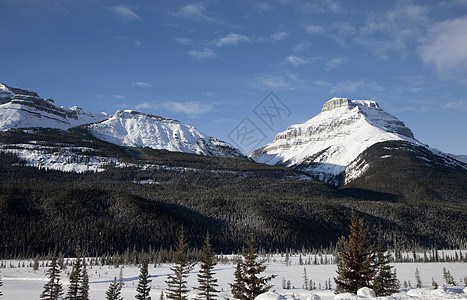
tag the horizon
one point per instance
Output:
(214, 65)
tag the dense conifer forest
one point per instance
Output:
(142, 206)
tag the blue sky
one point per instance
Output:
(211, 63)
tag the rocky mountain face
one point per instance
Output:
(21, 108)
(326, 145)
(134, 129)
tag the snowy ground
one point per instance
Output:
(24, 283)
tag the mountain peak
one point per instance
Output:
(349, 104)
(327, 143)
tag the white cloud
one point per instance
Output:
(119, 97)
(335, 62)
(144, 105)
(202, 54)
(279, 36)
(183, 41)
(298, 60)
(232, 39)
(302, 46)
(195, 11)
(264, 6)
(459, 105)
(445, 46)
(313, 29)
(349, 88)
(319, 6)
(322, 83)
(394, 31)
(285, 81)
(125, 13)
(141, 84)
(189, 107)
(135, 43)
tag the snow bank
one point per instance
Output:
(366, 292)
(277, 296)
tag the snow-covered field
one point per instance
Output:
(24, 283)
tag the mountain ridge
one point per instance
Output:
(328, 143)
(21, 108)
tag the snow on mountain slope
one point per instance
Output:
(21, 108)
(326, 144)
(134, 129)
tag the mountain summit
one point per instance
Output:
(325, 145)
(134, 129)
(20, 108)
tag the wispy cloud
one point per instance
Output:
(279, 36)
(125, 13)
(189, 107)
(264, 6)
(284, 81)
(232, 39)
(314, 29)
(183, 41)
(298, 60)
(319, 6)
(202, 54)
(395, 31)
(135, 43)
(458, 105)
(119, 97)
(352, 87)
(335, 62)
(195, 11)
(302, 46)
(141, 84)
(445, 46)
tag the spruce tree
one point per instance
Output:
(83, 290)
(247, 283)
(75, 279)
(114, 290)
(53, 289)
(238, 287)
(385, 282)
(207, 282)
(177, 289)
(418, 278)
(143, 287)
(354, 261)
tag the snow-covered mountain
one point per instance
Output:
(327, 144)
(21, 108)
(134, 129)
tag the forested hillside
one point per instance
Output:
(141, 204)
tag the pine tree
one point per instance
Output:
(75, 278)
(83, 289)
(53, 289)
(247, 283)
(238, 287)
(354, 263)
(207, 282)
(177, 289)
(418, 279)
(434, 284)
(143, 287)
(385, 282)
(305, 279)
(114, 290)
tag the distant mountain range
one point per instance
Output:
(128, 181)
